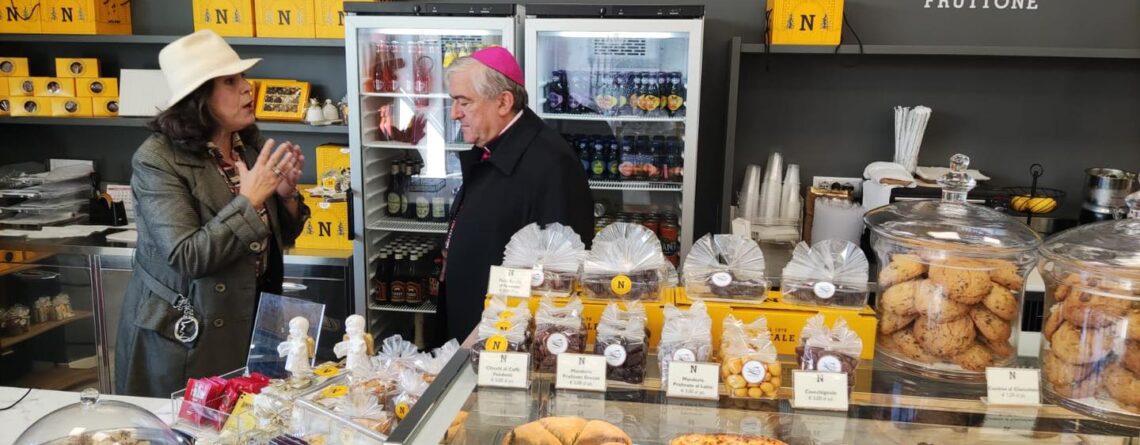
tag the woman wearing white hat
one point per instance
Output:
(214, 216)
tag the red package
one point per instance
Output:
(201, 400)
(237, 386)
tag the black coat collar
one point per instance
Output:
(509, 147)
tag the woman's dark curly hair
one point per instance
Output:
(190, 123)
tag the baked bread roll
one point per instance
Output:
(567, 431)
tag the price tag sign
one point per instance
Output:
(1013, 386)
(820, 390)
(691, 380)
(581, 404)
(508, 282)
(581, 371)
(504, 369)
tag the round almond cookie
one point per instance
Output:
(1122, 385)
(990, 325)
(931, 301)
(1089, 310)
(974, 358)
(903, 267)
(1059, 373)
(899, 299)
(1002, 349)
(945, 339)
(1077, 390)
(1001, 302)
(891, 322)
(964, 281)
(1131, 357)
(1081, 346)
(1052, 323)
(1133, 320)
(905, 343)
(1004, 273)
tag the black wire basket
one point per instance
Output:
(1013, 195)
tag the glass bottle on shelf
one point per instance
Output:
(633, 88)
(555, 92)
(676, 101)
(407, 209)
(465, 50)
(613, 159)
(381, 71)
(414, 286)
(627, 159)
(397, 283)
(399, 83)
(383, 278)
(421, 73)
(663, 88)
(622, 95)
(598, 159)
(449, 54)
(652, 170)
(395, 184)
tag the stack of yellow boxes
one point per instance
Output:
(328, 224)
(272, 18)
(65, 17)
(75, 91)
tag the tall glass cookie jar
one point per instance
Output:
(1090, 354)
(951, 280)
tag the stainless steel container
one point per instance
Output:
(1106, 188)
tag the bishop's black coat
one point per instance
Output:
(533, 175)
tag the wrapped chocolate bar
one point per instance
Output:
(686, 336)
(725, 267)
(749, 366)
(553, 254)
(42, 310)
(625, 262)
(623, 339)
(829, 273)
(829, 350)
(557, 330)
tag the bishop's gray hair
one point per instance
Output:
(488, 82)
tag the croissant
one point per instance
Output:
(567, 431)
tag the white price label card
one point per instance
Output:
(692, 380)
(504, 369)
(580, 404)
(820, 390)
(508, 282)
(584, 372)
(1013, 386)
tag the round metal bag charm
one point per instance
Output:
(186, 329)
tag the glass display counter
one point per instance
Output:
(890, 408)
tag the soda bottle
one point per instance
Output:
(394, 189)
(575, 95)
(665, 160)
(398, 50)
(676, 101)
(397, 287)
(641, 153)
(582, 146)
(381, 71)
(648, 93)
(620, 93)
(613, 159)
(424, 64)
(449, 54)
(627, 161)
(604, 97)
(633, 92)
(414, 286)
(598, 159)
(677, 158)
(652, 166)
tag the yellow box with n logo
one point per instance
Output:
(86, 16)
(285, 18)
(327, 227)
(231, 18)
(21, 17)
(330, 18)
(805, 22)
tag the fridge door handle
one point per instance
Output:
(351, 217)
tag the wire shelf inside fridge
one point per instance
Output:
(426, 308)
(601, 118)
(406, 225)
(636, 185)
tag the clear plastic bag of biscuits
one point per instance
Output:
(725, 267)
(553, 254)
(623, 339)
(686, 336)
(749, 366)
(830, 350)
(625, 263)
(829, 273)
(734, 329)
(557, 329)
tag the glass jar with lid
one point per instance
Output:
(951, 281)
(1090, 353)
(94, 421)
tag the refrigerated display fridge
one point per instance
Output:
(622, 84)
(403, 144)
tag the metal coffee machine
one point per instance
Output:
(1105, 190)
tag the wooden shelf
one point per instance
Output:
(60, 379)
(162, 40)
(947, 50)
(140, 122)
(38, 329)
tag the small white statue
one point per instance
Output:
(298, 349)
(331, 114)
(313, 113)
(357, 346)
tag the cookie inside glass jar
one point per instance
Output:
(725, 267)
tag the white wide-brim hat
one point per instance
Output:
(196, 59)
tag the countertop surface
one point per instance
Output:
(40, 402)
